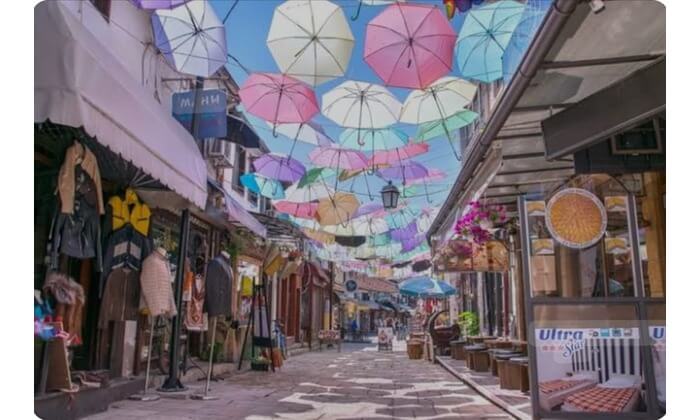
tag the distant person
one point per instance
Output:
(353, 329)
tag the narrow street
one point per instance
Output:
(358, 383)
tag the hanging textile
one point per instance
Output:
(129, 210)
(70, 298)
(78, 155)
(121, 298)
(195, 318)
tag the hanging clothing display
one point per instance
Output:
(128, 210)
(156, 286)
(120, 301)
(125, 248)
(70, 298)
(195, 318)
(80, 156)
(218, 286)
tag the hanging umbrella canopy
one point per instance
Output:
(399, 154)
(338, 209)
(282, 168)
(356, 104)
(191, 38)
(318, 236)
(337, 158)
(310, 40)
(402, 217)
(404, 233)
(315, 175)
(485, 34)
(425, 286)
(308, 132)
(405, 171)
(379, 240)
(303, 210)
(309, 192)
(421, 265)
(410, 45)
(278, 98)
(351, 241)
(371, 140)
(530, 21)
(158, 4)
(370, 209)
(433, 175)
(409, 244)
(437, 128)
(373, 3)
(266, 187)
(368, 225)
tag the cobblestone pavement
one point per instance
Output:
(358, 383)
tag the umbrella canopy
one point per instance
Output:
(404, 233)
(356, 104)
(309, 192)
(439, 101)
(368, 225)
(371, 140)
(315, 175)
(410, 45)
(379, 240)
(336, 158)
(310, 40)
(303, 210)
(158, 4)
(191, 38)
(425, 286)
(437, 128)
(351, 241)
(398, 154)
(308, 132)
(485, 34)
(277, 98)
(371, 208)
(318, 236)
(408, 245)
(530, 21)
(405, 171)
(282, 168)
(421, 265)
(433, 175)
(266, 187)
(338, 209)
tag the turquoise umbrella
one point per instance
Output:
(371, 140)
(266, 187)
(530, 22)
(425, 286)
(440, 128)
(485, 34)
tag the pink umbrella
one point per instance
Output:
(433, 175)
(336, 158)
(406, 171)
(371, 208)
(278, 99)
(399, 154)
(410, 45)
(301, 210)
(279, 167)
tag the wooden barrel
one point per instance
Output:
(415, 349)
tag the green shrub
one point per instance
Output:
(469, 323)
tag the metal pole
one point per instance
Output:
(206, 396)
(144, 396)
(172, 382)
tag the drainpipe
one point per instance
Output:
(551, 26)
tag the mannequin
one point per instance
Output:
(162, 251)
(218, 286)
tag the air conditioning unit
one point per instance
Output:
(221, 153)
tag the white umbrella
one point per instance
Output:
(310, 192)
(440, 100)
(367, 225)
(310, 40)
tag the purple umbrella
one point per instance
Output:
(279, 167)
(406, 171)
(410, 244)
(369, 208)
(158, 4)
(405, 233)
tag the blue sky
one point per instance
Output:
(246, 31)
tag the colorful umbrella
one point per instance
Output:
(371, 208)
(318, 236)
(410, 45)
(421, 265)
(371, 140)
(399, 154)
(402, 217)
(302, 210)
(405, 171)
(433, 175)
(373, 3)
(310, 40)
(309, 192)
(315, 175)
(437, 128)
(266, 187)
(191, 38)
(408, 245)
(158, 4)
(335, 158)
(425, 286)
(485, 34)
(338, 209)
(439, 101)
(277, 98)
(404, 233)
(281, 168)
(351, 241)
(530, 21)
(356, 104)
(308, 132)
(368, 225)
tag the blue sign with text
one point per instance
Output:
(211, 112)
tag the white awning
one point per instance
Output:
(79, 83)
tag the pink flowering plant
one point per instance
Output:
(477, 224)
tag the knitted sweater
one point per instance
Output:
(156, 286)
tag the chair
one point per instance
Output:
(442, 336)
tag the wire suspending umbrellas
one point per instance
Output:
(310, 40)
(484, 36)
(277, 98)
(281, 168)
(191, 38)
(410, 45)
(442, 99)
(266, 187)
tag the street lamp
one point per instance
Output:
(390, 196)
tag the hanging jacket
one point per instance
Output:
(78, 155)
(218, 287)
(128, 210)
(156, 286)
(125, 248)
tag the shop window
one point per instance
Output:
(103, 6)
(579, 240)
(589, 359)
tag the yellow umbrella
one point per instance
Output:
(337, 209)
(317, 235)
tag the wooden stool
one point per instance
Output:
(493, 353)
(480, 361)
(457, 349)
(414, 348)
(509, 372)
(469, 352)
(522, 378)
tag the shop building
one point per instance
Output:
(574, 150)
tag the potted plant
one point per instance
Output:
(468, 323)
(260, 363)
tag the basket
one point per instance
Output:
(415, 349)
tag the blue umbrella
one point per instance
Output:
(485, 34)
(266, 187)
(530, 22)
(425, 286)
(371, 140)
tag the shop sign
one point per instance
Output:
(211, 112)
(576, 218)
(350, 285)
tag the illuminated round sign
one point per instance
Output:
(576, 218)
